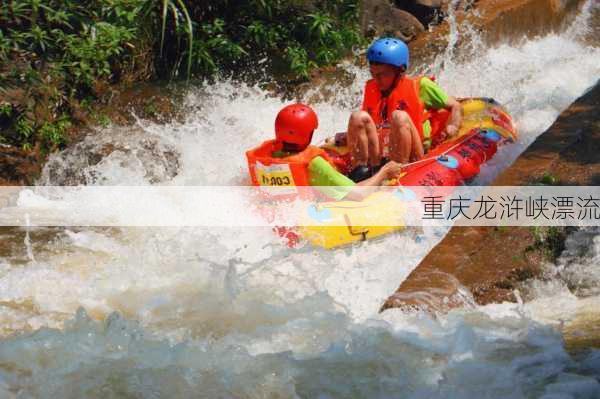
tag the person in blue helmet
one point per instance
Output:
(401, 117)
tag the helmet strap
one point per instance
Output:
(293, 147)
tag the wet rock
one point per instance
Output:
(430, 3)
(460, 268)
(129, 148)
(582, 330)
(150, 101)
(567, 151)
(380, 17)
(426, 11)
(499, 21)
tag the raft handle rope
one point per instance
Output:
(442, 156)
(362, 233)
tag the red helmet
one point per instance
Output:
(295, 125)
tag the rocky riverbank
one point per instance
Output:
(149, 101)
(499, 21)
(460, 268)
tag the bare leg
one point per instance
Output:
(405, 143)
(363, 140)
(417, 151)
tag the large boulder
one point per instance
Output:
(426, 11)
(430, 3)
(380, 17)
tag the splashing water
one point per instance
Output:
(27, 240)
(233, 313)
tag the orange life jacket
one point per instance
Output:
(405, 97)
(291, 171)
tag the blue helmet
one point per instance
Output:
(389, 50)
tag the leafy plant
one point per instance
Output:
(54, 134)
(55, 52)
(180, 12)
(319, 25)
(550, 240)
(24, 128)
(299, 62)
(5, 110)
(60, 56)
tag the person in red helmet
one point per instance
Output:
(290, 159)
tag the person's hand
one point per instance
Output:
(450, 130)
(391, 169)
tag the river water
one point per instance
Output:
(234, 313)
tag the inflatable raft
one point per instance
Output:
(486, 126)
(456, 161)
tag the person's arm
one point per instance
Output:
(368, 186)
(325, 178)
(456, 115)
(435, 97)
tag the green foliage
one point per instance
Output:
(5, 110)
(550, 240)
(548, 179)
(88, 57)
(103, 120)
(238, 34)
(54, 53)
(24, 128)
(180, 13)
(53, 134)
(59, 56)
(299, 61)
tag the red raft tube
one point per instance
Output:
(485, 127)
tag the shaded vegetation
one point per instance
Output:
(547, 179)
(550, 240)
(59, 58)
